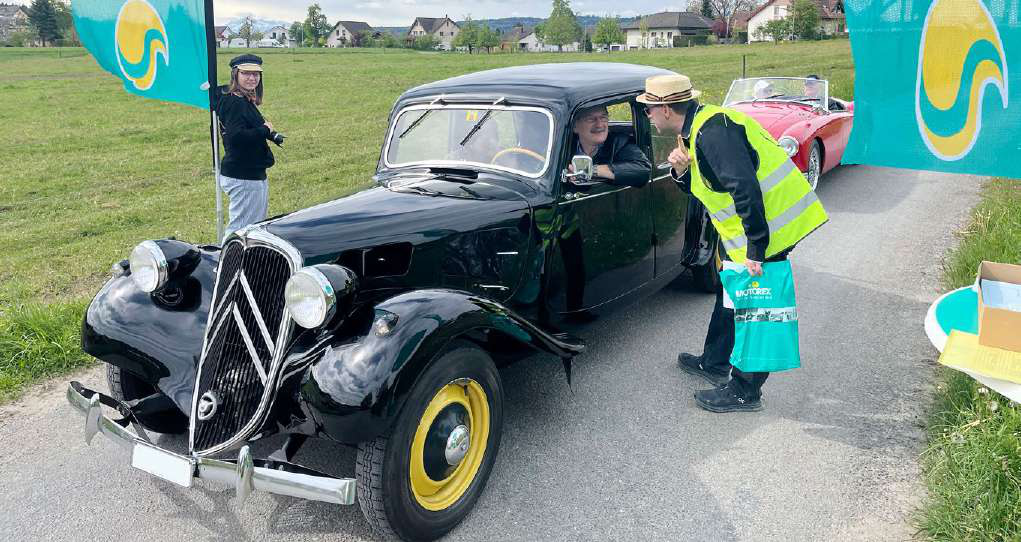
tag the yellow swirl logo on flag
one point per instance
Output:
(140, 36)
(158, 48)
(934, 88)
(959, 57)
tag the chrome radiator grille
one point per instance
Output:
(248, 328)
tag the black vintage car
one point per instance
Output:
(379, 320)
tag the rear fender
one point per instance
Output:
(355, 390)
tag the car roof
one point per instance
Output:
(561, 86)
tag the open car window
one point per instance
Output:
(516, 139)
(813, 92)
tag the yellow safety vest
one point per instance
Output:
(792, 209)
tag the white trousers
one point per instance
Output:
(249, 202)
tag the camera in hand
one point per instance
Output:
(278, 138)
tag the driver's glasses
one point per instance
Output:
(650, 108)
(598, 118)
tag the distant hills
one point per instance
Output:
(501, 25)
(259, 25)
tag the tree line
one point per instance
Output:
(49, 23)
(801, 22)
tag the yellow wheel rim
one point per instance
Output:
(440, 494)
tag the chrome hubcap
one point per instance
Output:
(457, 445)
(813, 168)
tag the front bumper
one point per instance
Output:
(246, 473)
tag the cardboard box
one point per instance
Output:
(998, 328)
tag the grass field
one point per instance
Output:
(973, 463)
(90, 170)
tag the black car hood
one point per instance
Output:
(382, 215)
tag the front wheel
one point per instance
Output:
(814, 165)
(421, 480)
(125, 386)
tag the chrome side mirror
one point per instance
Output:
(583, 169)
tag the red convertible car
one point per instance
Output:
(810, 125)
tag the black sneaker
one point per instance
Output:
(724, 399)
(693, 365)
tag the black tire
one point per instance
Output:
(125, 386)
(384, 470)
(706, 278)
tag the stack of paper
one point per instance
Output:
(999, 369)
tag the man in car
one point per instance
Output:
(615, 158)
(733, 161)
(763, 89)
(814, 88)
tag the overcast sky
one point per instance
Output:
(403, 12)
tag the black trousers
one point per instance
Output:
(719, 343)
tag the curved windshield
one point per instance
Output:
(783, 89)
(512, 139)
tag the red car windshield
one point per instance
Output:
(787, 89)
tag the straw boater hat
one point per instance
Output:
(668, 89)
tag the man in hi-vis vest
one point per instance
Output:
(758, 201)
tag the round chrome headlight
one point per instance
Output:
(148, 266)
(310, 297)
(789, 145)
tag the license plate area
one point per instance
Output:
(166, 465)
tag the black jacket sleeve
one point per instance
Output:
(723, 150)
(683, 180)
(237, 127)
(630, 166)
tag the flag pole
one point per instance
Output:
(214, 122)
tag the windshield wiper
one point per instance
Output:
(478, 125)
(422, 117)
(415, 123)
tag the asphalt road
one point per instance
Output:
(627, 455)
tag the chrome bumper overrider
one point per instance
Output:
(245, 474)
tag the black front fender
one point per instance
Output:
(156, 337)
(354, 391)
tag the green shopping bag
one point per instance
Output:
(765, 317)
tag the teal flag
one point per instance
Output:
(937, 85)
(157, 47)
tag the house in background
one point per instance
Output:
(13, 18)
(278, 34)
(832, 21)
(738, 24)
(533, 44)
(664, 27)
(343, 33)
(222, 35)
(511, 41)
(444, 30)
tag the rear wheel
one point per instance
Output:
(125, 386)
(421, 480)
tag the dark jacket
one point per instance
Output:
(728, 163)
(245, 139)
(629, 164)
